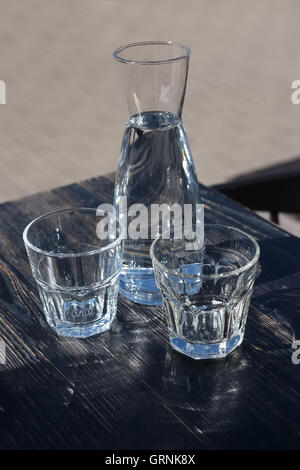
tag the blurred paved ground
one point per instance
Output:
(65, 112)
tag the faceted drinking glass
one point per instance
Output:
(207, 290)
(76, 272)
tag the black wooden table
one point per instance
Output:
(126, 389)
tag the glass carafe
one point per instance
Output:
(156, 165)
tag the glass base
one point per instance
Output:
(142, 297)
(204, 350)
(81, 331)
(138, 285)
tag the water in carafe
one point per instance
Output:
(156, 165)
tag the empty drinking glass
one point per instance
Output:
(206, 290)
(76, 272)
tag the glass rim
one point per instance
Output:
(65, 255)
(236, 271)
(151, 43)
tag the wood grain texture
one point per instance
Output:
(126, 389)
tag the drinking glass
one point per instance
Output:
(206, 290)
(76, 272)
